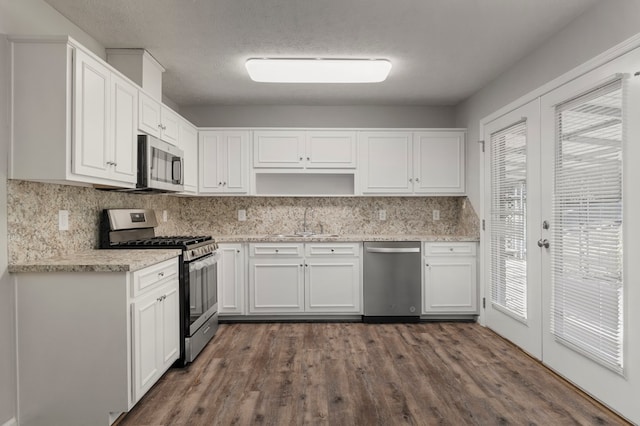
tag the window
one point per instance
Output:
(586, 254)
(509, 220)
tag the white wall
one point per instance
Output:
(603, 26)
(19, 17)
(319, 116)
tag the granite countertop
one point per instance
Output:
(97, 261)
(250, 238)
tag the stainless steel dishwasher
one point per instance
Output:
(392, 282)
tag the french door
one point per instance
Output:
(590, 183)
(562, 234)
(512, 210)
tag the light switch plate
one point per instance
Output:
(242, 215)
(63, 220)
(165, 216)
(436, 215)
(382, 215)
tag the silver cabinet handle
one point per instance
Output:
(543, 243)
(393, 250)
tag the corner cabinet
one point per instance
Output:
(309, 278)
(188, 143)
(412, 163)
(223, 162)
(76, 126)
(112, 336)
(450, 279)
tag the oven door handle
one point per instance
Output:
(204, 262)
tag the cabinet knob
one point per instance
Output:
(277, 250)
(219, 183)
(159, 126)
(301, 265)
(301, 158)
(417, 179)
(238, 251)
(224, 183)
(410, 180)
(332, 250)
(160, 274)
(308, 158)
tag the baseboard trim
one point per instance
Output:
(11, 422)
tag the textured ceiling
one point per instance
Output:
(442, 50)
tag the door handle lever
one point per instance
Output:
(543, 243)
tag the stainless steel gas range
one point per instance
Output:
(135, 229)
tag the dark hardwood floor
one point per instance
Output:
(363, 374)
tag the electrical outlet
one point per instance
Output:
(63, 220)
(436, 215)
(165, 216)
(242, 215)
(382, 215)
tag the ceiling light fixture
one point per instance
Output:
(318, 70)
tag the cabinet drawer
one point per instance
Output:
(147, 278)
(448, 249)
(289, 250)
(332, 249)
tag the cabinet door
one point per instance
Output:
(148, 115)
(236, 160)
(124, 125)
(332, 285)
(231, 284)
(170, 122)
(385, 162)
(147, 338)
(211, 174)
(276, 285)
(278, 149)
(449, 285)
(330, 149)
(188, 139)
(91, 117)
(439, 162)
(170, 310)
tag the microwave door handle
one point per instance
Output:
(177, 170)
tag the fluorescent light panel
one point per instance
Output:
(318, 70)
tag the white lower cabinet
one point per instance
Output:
(155, 336)
(300, 278)
(450, 281)
(111, 335)
(231, 281)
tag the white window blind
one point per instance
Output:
(586, 251)
(509, 220)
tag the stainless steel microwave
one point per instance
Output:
(160, 166)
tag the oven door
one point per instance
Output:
(203, 290)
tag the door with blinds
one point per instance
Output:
(590, 131)
(513, 293)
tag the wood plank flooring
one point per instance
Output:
(363, 374)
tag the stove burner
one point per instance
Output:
(165, 241)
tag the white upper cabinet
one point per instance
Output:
(124, 114)
(299, 149)
(158, 120)
(77, 125)
(188, 142)
(223, 161)
(439, 162)
(330, 149)
(386, 162)
(419, 163)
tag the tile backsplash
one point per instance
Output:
(33, 216)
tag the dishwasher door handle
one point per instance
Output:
(393, 250)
